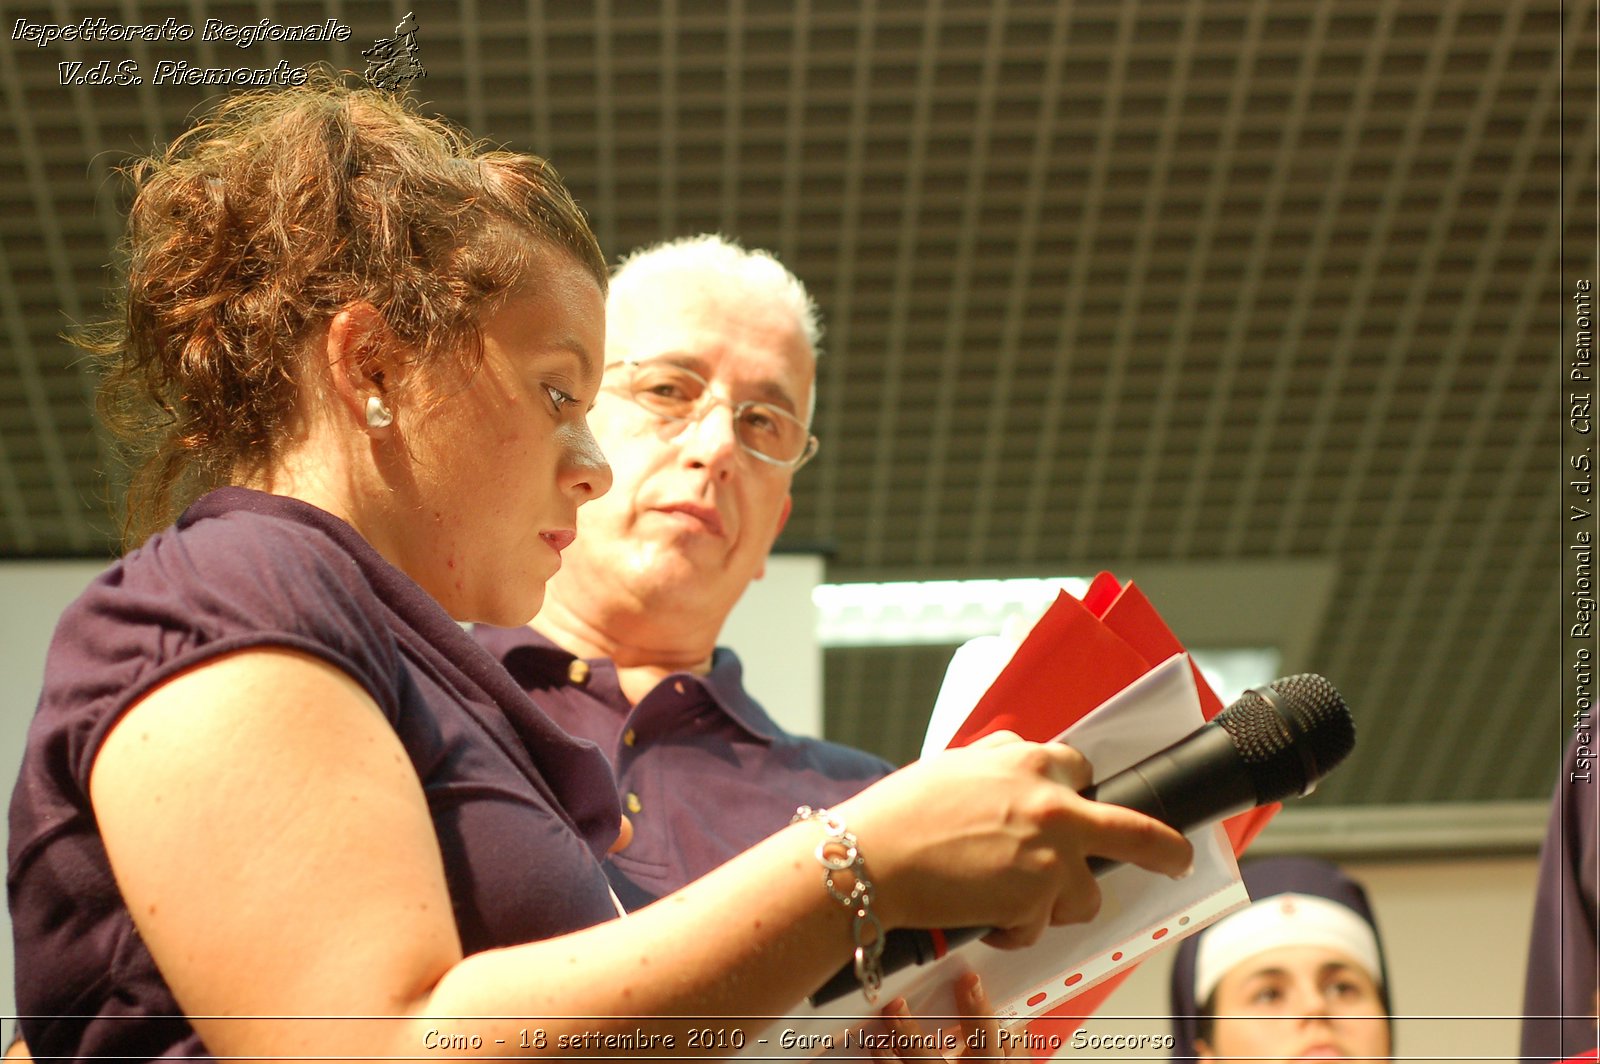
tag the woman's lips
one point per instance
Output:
(559, 538)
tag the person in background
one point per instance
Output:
(1297, 974)
(1560, 996)
(274, 801)
(703, 413)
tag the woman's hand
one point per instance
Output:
(977, 1037)
(996, 835)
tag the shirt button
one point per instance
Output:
(633, 803)
(629, 737)
(578, 671)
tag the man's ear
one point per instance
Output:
(360, 353)
(783, 519)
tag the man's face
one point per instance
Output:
(692, 515)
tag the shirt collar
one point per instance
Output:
(536, 661)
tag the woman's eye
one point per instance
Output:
(1265, 995)
(558, 397)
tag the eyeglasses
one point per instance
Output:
(675, 394)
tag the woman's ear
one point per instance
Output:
(1202, 1050)
(362, 366)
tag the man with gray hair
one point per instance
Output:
(704, 414)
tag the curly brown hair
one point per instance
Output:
(256, 226)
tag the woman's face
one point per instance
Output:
(498, 468)
(1297, 1003)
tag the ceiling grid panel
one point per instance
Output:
(733, 95)
(1519, 676)
(1110, 402)
(1500, 636)
(604, 219)
(1536, 440)
(935, 514)
(1388, 511)
(794, 153)
(1252, 509)
(93, 142)
(1320, 274)
(1153, 428)
(1202, 455)
(25, 356)
(667, 182)
(472, 67)
(1185, 344)
(1349, 348)
(839, 378)
(1412, 618)
(880, 530)
(1217, 481)
(1364, 488)
(1006, 393)
(1043, 487)
(539, 80)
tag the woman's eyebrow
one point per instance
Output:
(575, 347)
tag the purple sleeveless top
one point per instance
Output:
(521, 810)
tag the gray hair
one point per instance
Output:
(758, 272)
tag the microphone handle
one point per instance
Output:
(1194, 781)
(1198, 779)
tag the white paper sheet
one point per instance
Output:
(1141, 912)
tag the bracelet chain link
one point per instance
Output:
(838, 852)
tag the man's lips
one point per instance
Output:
(559, 538)
(706, 515)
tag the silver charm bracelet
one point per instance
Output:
(838, 852)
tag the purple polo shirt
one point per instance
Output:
(703, 772)
(521, 810)
(1563, 961)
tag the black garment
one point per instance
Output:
(1562, 955)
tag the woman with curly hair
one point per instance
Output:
(275, 802)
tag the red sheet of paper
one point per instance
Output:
(1077, 656)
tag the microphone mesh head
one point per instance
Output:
(1287, 748)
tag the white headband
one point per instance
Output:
(1282, 920)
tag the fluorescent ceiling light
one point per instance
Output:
(915, 613)
(950, 612)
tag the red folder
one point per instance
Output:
(1077, 656)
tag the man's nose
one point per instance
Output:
(709, 437)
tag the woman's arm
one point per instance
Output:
(273, 844)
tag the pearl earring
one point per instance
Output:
(378, 415)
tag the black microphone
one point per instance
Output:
(1274, 742)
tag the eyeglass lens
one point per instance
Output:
(676, 393)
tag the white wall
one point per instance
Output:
(32, 595)
(1455, 934)
(774, 630)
